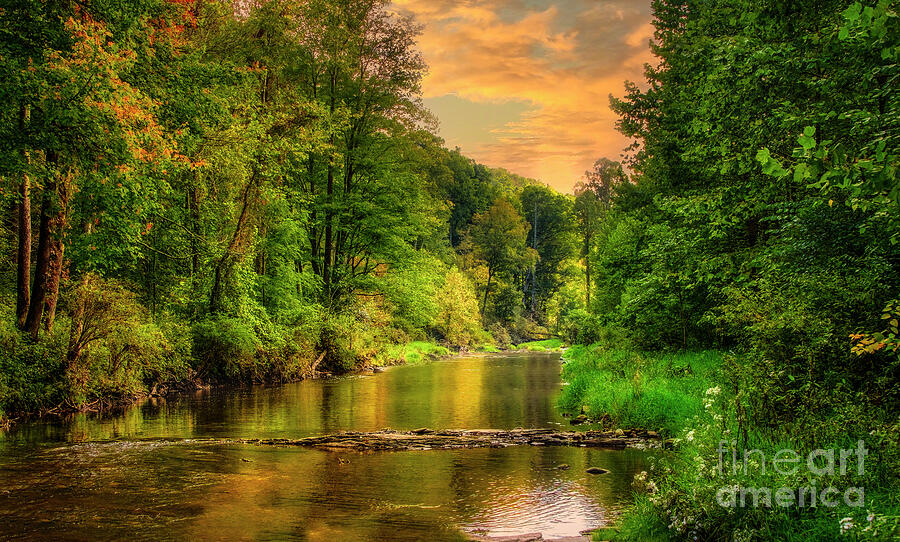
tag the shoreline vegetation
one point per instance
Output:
(691, 399)
(411, 353)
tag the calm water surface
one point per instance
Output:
(133, 475)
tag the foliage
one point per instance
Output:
(624, 389)
(240, 195)
(457, 320)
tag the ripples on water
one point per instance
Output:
(148, 486)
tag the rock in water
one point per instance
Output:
(562, 467)
(596, 470)
(530, 537)
(581, 418)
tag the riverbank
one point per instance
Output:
(157, 470)
(695, 398)
(38, 386)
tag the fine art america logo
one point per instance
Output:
(787, 462)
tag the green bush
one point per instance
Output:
(679, 498)
(32, 376)
(225, 348)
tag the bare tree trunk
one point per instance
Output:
(314, 217)
(23, 254)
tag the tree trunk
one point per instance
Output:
(42, 267)
(57, 251)
(23, 254)
(223, 266)
(327, 249)
(58, 225)
(534, 265)
(329, 212)
(314, 220)
(587, 272)
(194, 207)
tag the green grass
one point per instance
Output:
(546, 345)
(637, 390)
(490, 348)
(683, 394)
(412, 353)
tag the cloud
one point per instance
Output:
(563, 57)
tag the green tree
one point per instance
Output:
(498, 240)
(551, 236)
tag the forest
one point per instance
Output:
(195, 192)
(204, 192)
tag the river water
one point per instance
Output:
(137, 475)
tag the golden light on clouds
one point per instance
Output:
(548, 65)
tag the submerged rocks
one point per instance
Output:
(529, 537)
(578, 420)
(596, 470)
(427, 439)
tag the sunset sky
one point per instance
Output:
(525, 84)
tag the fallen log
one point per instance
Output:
(427, 439)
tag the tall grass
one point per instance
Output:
(546, 345)
(684, 396)
(624, 389)
(411, 353)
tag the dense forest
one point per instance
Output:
(200, 191)
(758, 230)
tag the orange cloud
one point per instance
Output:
(564, 57)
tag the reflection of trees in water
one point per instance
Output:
(185, 491)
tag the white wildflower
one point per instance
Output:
(846, 525)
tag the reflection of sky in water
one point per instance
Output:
(558, 509)
(57, 484)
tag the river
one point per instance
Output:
(137, 475)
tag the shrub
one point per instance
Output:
(458, 319)
(225, 348)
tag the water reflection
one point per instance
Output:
(56, 479)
